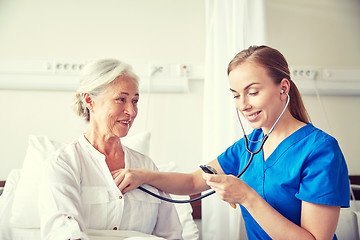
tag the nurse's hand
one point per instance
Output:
(229, 188)
(128, 179)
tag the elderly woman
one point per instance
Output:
(78, 191)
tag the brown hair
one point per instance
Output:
(277, 67)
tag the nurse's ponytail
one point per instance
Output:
(278, 69)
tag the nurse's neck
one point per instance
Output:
(286, 126)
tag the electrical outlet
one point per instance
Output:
(65, 66)
(183, 70)
(303, 72)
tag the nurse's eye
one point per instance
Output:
(237, 96)
(135, 101)
(253, 93)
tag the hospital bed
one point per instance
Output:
(19, 218)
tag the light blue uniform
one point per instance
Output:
(307, 166)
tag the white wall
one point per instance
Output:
(322, 33)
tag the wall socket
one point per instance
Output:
(303, 72)
(67, 67)
(183, 70)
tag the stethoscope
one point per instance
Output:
(252, 154)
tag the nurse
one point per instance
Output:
(296, 185)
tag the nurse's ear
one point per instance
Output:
(89, 101)
(285, 88)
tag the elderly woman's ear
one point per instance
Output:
(88, 99)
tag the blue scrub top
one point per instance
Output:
(306, 166)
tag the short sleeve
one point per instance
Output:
(324, 177)
(229, 160)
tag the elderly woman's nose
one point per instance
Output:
(131, 109)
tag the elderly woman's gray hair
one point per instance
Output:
(94, 79)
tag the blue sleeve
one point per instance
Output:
(229, 160)
(324, 176)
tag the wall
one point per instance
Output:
(136, 30)
(322, 33)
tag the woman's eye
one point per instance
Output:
(121, 99)
(236, 96)
(253, 93)
(136, 101)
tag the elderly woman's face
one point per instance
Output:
(116, 108)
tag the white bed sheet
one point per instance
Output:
(34, 234)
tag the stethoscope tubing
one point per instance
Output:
(174, 200)
(252, 154)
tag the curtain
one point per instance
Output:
(231, 26)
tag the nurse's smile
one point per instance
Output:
(253, 117)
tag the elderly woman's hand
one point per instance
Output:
(128, 179)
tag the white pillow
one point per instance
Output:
(25, 208)
(25, 212)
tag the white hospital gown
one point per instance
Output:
(78, 192)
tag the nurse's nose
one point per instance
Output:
(243, 104)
